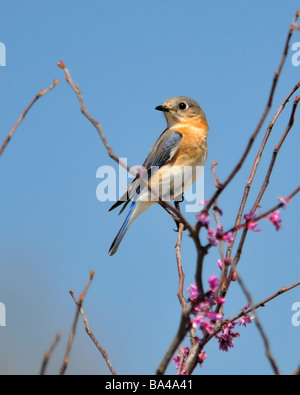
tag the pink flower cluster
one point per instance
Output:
(182, 356)
(180, 359)
(204, 318)
(276, 220)
(214, 236)
(227, 335)
(252, 225)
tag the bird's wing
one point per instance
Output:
(161, 153)
(164, 149)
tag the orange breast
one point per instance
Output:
(193, 147)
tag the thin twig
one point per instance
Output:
(274, 208)
(263, 188)
(221, 244)
(180, 335)
(91, 335)
(262, 303)
(283, 202)
(48, 354)
(73, 329)
(256, 164)
(22, 116)
(259, 126)
(180, 296)
(260, 328)
(275, 154)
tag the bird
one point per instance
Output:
(182, 145)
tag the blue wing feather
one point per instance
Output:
(162, 151)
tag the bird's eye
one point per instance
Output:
(182, 106)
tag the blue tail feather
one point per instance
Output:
(115, 244)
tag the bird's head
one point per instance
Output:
(183, 110)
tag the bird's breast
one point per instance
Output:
(193, 147)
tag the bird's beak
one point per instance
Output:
(161, 108)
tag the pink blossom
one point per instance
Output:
(214, 316)
(207, 328)
(213, 284)
(252, 225)
(249, 216)
(202, 357)
(212, 237)
(226, 337)
(275, 219)
(227, 261)
(203, 218)
(194, 293)
(246, 319)
(220, 264)
(228, 237)
(180, 358)
(197, 321)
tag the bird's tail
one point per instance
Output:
(115, 244)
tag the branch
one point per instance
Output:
(261, 303)
(187, 311)
(180, 335)
(257, 161)
(179, 266)
(91, 335)
(48, 355)
(271, 210)
(260, 329)
(192, 359)
(275, 153)
(264, 185)
(73, 329)
(260, 123)
(24, 113)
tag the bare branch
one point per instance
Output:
(73, 329)
(256, 163)
(179, 267)
(275, 153)
(262, 303)
(260, 328)
(48, 355)
(180, 335)
(260, 123)
(24, 113)
(91, 335)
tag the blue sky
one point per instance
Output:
(128, 57)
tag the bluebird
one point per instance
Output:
(172, 165)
